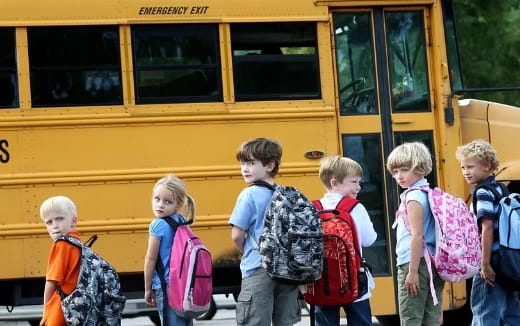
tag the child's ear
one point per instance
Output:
(334, 182)
(74, 221)
(270, 166)
(487, 166)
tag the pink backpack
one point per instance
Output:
(191, 285)
(457, 239)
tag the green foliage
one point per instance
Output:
(489, 43)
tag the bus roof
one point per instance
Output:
(96, 12)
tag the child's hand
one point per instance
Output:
(149, 298)
(411, 283)
(488, 274)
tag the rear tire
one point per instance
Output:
(210, 313)
(154, 317)
(388, 320)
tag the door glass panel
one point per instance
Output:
(425, 137)
(355, 63)
(366, 149)
(407, 61)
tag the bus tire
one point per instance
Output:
(154, 317)
(388, 320)
(210, 313)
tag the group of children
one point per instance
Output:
(264, 301)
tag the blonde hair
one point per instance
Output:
(481, 150)
(338, 167)
(263, 149)
(184, 201)
(414, 156)
(58, 204)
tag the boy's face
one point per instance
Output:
(254, 170)
(348, 187)
(405, 177)
(59, 222)
(163, 202)
(474, 170)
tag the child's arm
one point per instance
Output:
(50, 288)
(150, 261)
(415, 218)
(487, 272)
(238, 237)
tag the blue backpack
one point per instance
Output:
(506, 261)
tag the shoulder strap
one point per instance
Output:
(490, 187)
(264, 184)
(317, 204)
(75, 242)
(347, 204)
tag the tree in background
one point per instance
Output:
(489, 44)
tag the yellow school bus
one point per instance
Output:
(100, 98)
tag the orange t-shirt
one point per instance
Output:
(63, 268)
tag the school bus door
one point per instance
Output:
(384, 99)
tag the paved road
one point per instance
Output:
(225, 316)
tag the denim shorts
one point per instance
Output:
(419, 310)
(261, 297)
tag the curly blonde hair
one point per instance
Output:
(481, 150)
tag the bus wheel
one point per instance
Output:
(388, 320)
(210, 313)
(154, 317)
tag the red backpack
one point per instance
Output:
(338, 284)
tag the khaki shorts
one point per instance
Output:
(419, 310)
(260, 298)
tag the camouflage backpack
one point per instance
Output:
(291, 244)
(97, 298)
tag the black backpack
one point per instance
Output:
(97, 298)
(291, 244)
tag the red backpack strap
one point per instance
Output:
(347, 204)
(317, 204)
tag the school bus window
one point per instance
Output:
(75, 66)
(452, 46)
(275, 61)
(8, 81)
(366, 149)
(407, 61)
(355, 63)
(176, 63)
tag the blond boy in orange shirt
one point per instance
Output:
(60, 217)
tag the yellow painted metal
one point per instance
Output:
(107, 158)
(73, 12)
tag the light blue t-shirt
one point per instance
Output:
(160, 229)
(402, 247)
(248, 215)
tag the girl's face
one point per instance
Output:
(163, 202)
(405, 177)
(474, 171)
(348, 187)
(59, 222)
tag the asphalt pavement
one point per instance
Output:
(225, 316)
